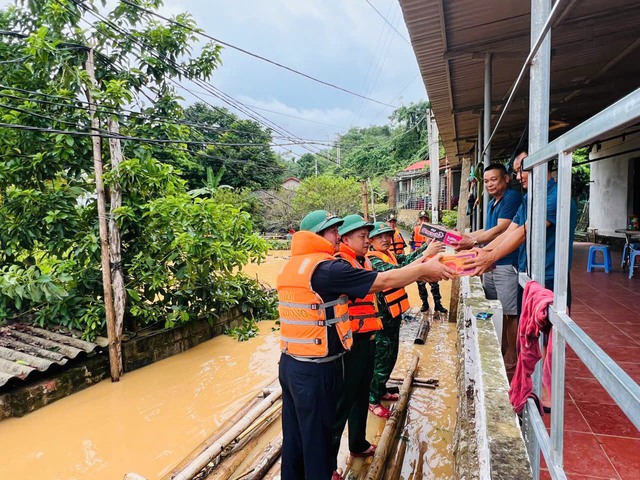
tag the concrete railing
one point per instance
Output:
(488, 442)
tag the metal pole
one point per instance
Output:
(486, 128)
(478, 216)
(434, 166)
(563, 210)
(537, 197)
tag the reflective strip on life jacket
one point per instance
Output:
(363, 312)
(398, 244)
(396, 300)
(304, 317)
(418, 239)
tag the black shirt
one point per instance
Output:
(332, 279)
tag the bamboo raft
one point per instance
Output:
(233, 452)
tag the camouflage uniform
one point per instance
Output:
(388, 339)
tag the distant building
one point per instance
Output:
(291, 183)
(413, 186)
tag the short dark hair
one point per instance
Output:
(497, 166)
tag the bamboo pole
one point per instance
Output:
(115, 353)
(233, 461)
(380, 457)
(419, 462)
(394, 468)
(454, 300)
(423, 330)
(215, 436)
(115, 243)
(218, 447)
(264, 462)
(274, 471)
(365, 203)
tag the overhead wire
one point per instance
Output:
(260, 57)
(213, 90)
(388, 23)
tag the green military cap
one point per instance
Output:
(392, 218)
(353, 222)
(379, 228)
(319, 220)
(423, 214)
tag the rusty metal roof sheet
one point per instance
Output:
(595, 60)
(25, 349)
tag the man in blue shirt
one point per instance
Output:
(500, 283)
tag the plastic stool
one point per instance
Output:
(606, 258)
(627, 247)
(632, 260)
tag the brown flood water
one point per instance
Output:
(154, 417)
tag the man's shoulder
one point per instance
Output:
(512, 195)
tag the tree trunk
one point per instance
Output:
(380, 457)
(117, 275)
(115, 353)
(454, 300)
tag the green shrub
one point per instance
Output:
(449, 218)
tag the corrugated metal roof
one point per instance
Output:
(595, 61)
(25, 349)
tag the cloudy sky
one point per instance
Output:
(343, 42)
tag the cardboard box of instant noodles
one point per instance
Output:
(456, 262)
(441, 234)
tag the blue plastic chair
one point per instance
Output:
(606, 258)
(626, 249)
(632, 260)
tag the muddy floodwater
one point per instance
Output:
(155, 416)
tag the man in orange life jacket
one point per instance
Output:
(397, 247)
(417, 240)
(358, 362)
(392, 304)
(313, 293)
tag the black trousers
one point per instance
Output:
(353, 404)
(309, 396)
(424, 295)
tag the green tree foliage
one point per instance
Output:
(248, 159)
(340, 196)
(383, 150)
(181, 252)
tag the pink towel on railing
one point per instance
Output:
(533, 320)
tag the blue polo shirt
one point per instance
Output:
(506, 207)
(550, 252)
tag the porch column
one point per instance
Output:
(539, 85)
(486, 128)
(434, 166)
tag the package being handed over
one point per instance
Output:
(456, 262)
(441, 234)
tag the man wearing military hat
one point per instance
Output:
(392, 303)
(398, 244)
(314, 289)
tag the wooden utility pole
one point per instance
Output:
(115, 254)
(115, 353)
(365, 200)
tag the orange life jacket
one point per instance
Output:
(398, 244)
(303, 313)
(418, 239)
(395, 299)
(363, 312)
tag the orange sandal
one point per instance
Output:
(391, 397)
(379, 410)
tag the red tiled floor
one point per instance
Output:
(584, 456)
(573, 419)
(588, 390)
(624, 454)
(622, 353)
(607, 420)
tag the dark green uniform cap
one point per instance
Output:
(319, 220)
(353, 222)
(379, 228)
